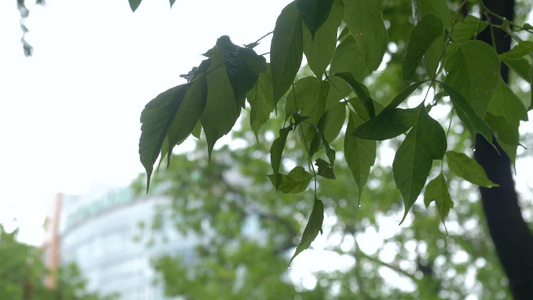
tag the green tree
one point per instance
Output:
(22, 274)
(442, 59)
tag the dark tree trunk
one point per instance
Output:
(510, 233)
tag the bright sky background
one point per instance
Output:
(69, 115)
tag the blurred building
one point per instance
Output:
(101, 232)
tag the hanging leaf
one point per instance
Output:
(325, 169)
(437, 190)
(319, 48)
(360, 90)
(286, 49)
(156, 118)
(172, 3)
(295, 182)
(314, 13)
(134, 4)
(221, 111)
(331, 122)
(437, 7)
(243, 66)
(423, 35)
(188, 114)
(403, 95)
(261, 102)
(468, 169)
(467, 29)
(360, 154)
(474, 72)
(413, 160)
(276, 150)
(388, 124)
(313, 227)
(467, 114)
(308, 98)
(522, 49)
(364, 20)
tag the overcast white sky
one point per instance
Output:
(69, 115)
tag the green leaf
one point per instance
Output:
(325, 169)
(221, 111)
(388, 124)
(521, 66)
(423, 35)
(308, 97)
(134, 4)
(474, 72)
(437, 7)
(331, 122)
(172, 3)
(314, 13)
(364, 20)
(437, 190)
(319, 48)
(469, 117)
(313, 227)
(360, 90)
(468, 169)
(188, 114)
(403, 95)
(295, 182)
(506, 134)
(413, 160)
(467, 29)
(261, 102)
(360, 154)
(276, 150)
(348, 58)
(522, 49)
(156, 118)
(243, 66)
(286, 49)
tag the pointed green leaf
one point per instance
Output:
(332, 121)
(474, 72)
(319, 48)
(243, 66)
(276, 150)
(325, 169)
(172, 3)
(467, 29)
(467, 114)
(189, 113)
(423, 35)
(360, 154)
(261, 102)
(521, 66)
(468, 169)
(365, 22)
(506, 134)
(295, 182)
(313, 227)
(437, 7)
(314, 13)
(308, 98)
(413, 160)
(221, 111)
(388, 124)
(348, 58)
(360, 90)
(134, 4)
(437, 190)
(156, 119)
(403, 95)
(286, 49)
(522, 49)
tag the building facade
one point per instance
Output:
(101, 232)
